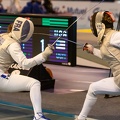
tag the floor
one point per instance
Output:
(10, 111)
(74, 79)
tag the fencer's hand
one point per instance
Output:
(51, 46)
(88, 47)
(48, 51)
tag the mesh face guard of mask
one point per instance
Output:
(22, 29)
(97, 23)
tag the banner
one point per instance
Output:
(83, 10)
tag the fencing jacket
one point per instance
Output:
(10, 51)
(111, 54)
(5, 59)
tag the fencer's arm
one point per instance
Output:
(97, 52)
(90, 49)
(21, 59)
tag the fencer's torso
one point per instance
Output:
(111, 54)
(5, 58)
(10, 51)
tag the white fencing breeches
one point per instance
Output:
(17, 83)
(104, 86)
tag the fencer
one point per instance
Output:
(109, 41)
(10, 51)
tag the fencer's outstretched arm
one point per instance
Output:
(90, 49)
(15, 51)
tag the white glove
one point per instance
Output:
(88, 47)
(48, 51)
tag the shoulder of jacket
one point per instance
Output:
(7, 40)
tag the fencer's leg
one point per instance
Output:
(35, 96)
(104, 86)
(88, 103)
(16, 83)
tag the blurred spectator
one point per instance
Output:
(14, 7)
(2, 10)
(29, 7)
(35, 6)
(38, 8)
(48, 6)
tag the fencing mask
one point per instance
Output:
(22, 29)
(100, 21)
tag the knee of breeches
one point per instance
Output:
(91, 90)
(36, 83)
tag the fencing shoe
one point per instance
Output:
(79, 119)
(40, 117)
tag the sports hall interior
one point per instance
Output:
(65, 100)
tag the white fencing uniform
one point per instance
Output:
(109, 52)
(10, 50)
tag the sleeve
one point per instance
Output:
(97, 53)
(115, 39)
(16, 53)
